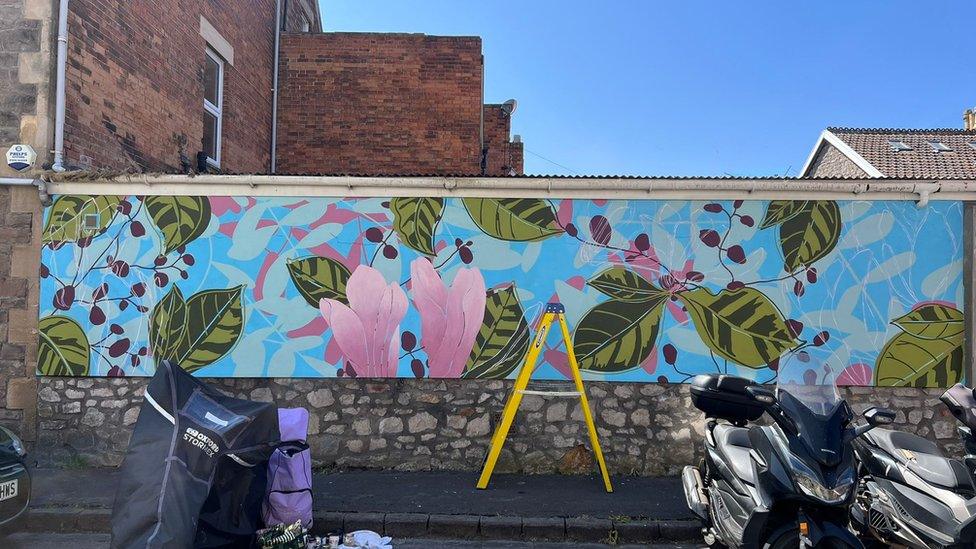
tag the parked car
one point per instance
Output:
(15, 482)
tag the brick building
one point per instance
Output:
(153, 88)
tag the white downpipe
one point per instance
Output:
(16, 181)
(274, 100)
(59, 92)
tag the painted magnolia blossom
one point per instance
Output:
(450, 317)
(368, 329)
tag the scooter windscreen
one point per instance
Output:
(806, 389)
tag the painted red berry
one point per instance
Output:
(374, 234)
(350, 371)
(737, 204)
(713, 208)
(134, 359)
(125, 207)
(642, 242)
(774, 365)
(390, 252)
(600, 229)
(408, 341)
(737, 254)
(143, 351)
(747, 220)
(118, 348)
(115, 371)
(64, 297)
(795, 326)
(161, 279)
(43, 271)
(159, 261)
(465, 254)
(120, 268)
(138, 289)
(188, 259)
(735, 285)
(821, 338)
(571, 230)
(812, 275)
(137, 229)
(809, 377)
(84, 242)
(710, 237)
(123, 304)
(417, 366)
(670, 354)
(798, 288)
(694, 276)
(100, 292)
(96, 316)
(116, 329)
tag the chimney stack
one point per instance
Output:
(969, 119)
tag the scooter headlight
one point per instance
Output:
(807, 482)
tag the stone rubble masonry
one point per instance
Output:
(411, 425)
(26, 44)
(368, 103)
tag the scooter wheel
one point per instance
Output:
(785, 539)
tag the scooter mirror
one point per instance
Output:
(761, 395)
(879, 416)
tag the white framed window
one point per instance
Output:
(213, 103)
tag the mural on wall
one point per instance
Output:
(450, 287)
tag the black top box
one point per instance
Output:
(725, 397)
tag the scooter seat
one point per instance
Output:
(733, 443)
(922, 457)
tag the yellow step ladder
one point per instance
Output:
(553, 311)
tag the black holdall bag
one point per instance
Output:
(195, 471)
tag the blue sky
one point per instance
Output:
(699, 88)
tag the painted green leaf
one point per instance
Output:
(615, 336)
(743, 326)
(910, 361)
(513, 219)
(932, 321)
(167, 325)
(66, 217)
(809, 235)
(180, 219)
(503, 340)
(779, 211)
(63, 348)
(319, 277)
(214, 321)
(415, 221)
(625, 285)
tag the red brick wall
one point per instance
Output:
(294, 10)
(380, 103)
(504, 156)
(135, 82)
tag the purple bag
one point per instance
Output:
(289, 497)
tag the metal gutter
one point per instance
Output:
(59, 93)
(42, 191)
(921, 191)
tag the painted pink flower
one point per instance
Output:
(368, 329)
(856, 374)
(450, 317)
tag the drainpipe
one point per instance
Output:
(59, 93)
(274, 100)
(41, 185)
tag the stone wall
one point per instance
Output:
(830, 162)
(645, 429)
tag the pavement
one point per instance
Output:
(421, 505)
(100, 541)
